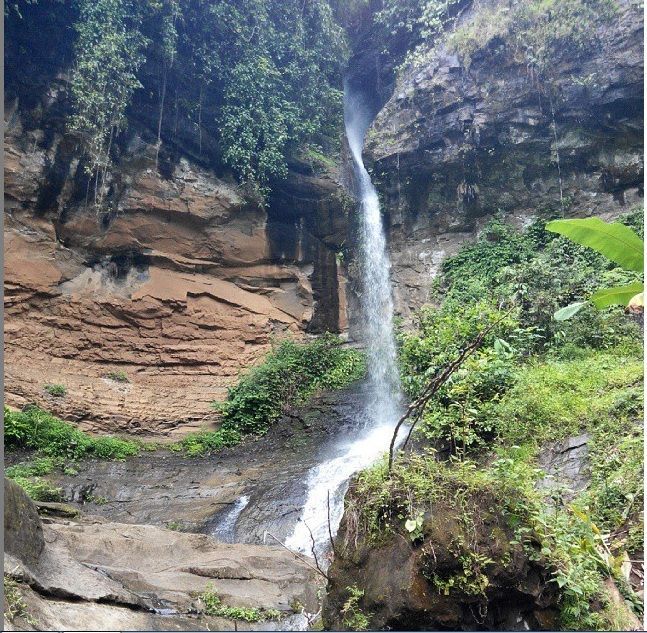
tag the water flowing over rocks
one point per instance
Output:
(185, 278)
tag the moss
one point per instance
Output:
(14, 604)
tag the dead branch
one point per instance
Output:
(301, 558)
(314, 551)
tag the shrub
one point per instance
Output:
(58, 391)
(118, 376)
(207, 441)
(289, 375)
(38, 489)
(212, 605)
(539, 273)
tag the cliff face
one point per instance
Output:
(461, 139)
(184, 280)
(180, 285)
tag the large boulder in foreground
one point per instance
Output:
(96, 575)
(464, 571)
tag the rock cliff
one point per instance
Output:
(470, 133)
(179, 285)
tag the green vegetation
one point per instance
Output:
(29, 477)
(353, 617)
(38, 489)
(118, 376)
(14, 604)
(56, 443)
(534, 381)
(58, 391)
(249, 84)
(288, 376)
(109, 52)
(618, 243)
(203, 442)
(211, 604)
(539, 32)
(51, 437)
(175, 526)
(535, 33)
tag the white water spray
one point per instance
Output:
(328, 482)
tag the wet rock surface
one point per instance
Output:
(198, 493)
(92, 574)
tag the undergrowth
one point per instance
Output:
(288, 376)
(56, 444)
(211, 604)
(534, 382)
(14, 604)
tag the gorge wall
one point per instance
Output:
(472, 131)
(185, 278)
(179, 283)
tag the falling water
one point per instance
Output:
(328, 482)
(225, 529)
(376, 302)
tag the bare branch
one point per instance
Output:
(441, 376)
(301, 558)
(314, 552)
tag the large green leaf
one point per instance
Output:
(567, 312)
(614, 240)
(618, 295)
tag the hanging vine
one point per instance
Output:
(108, 53)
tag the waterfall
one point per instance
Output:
(375, 300)
(327, 483)
(225, 529)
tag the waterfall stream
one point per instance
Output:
(327, 482)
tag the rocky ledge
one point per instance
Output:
(92, 574)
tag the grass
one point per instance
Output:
(52, 437)
(555, 398)
(14, 604)
(211, 604)
(118, 376)
(56, 443)
(58, 391)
